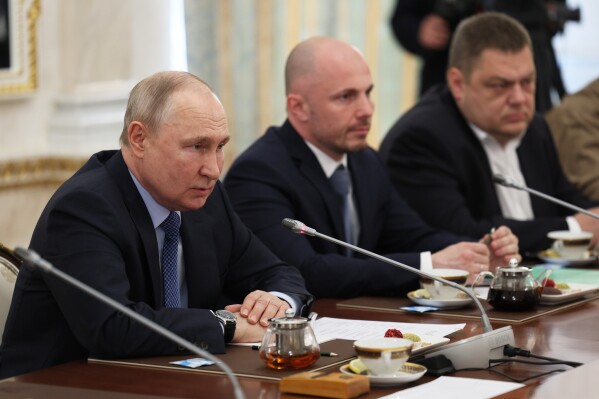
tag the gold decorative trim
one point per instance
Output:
(264, 49)
(225, 65)
(21, 77)
(372, 22)
(409, 92)
(28, 172)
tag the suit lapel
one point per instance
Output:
(535, 172)
(309, 167)
(482, 173)
(201, 264)
(117, 168)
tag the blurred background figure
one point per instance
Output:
(484, 124)
(425, 28)
(543, 19)
(574, 125)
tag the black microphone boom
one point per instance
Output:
(509, 182)
(480, 348)
(299, 227)
(33, 260)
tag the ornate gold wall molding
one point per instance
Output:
(38, 171)
(21, 76)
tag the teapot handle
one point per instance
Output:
(481, 274)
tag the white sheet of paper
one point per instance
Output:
(328, 328)
(456, 388)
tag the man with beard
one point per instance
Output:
(293, 172)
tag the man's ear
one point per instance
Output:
(455, 81)
(137, 135)
(297, 107)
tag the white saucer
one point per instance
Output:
(576, 291)
(548, 256)
(409, 372)
(427, 343)
(441, 303)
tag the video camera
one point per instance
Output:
(559, 13)
(453, 11)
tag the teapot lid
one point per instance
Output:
(514, 271)
(289, 322)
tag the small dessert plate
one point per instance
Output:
(550, 256)
(427, 343)
(407, 373)
(453, 303)
(576, 291)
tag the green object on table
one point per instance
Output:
(560, 274)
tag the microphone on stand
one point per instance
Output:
(509, 182)
(467, 353)
(34, 261)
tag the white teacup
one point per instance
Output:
(440, 291)
(383, 356)
(571, 244)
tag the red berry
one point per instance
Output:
(547, 282)
(393, 333)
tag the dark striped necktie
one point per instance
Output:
(170, 258)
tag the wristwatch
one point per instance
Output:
(229, 322)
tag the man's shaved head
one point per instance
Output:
(303, 61)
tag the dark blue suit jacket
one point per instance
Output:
(279, 177)
(97, 229)
(437, 163)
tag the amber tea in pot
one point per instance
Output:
(289, 343)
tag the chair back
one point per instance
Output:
(9, 268)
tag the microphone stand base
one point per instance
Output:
(475, 352)
(436, 365)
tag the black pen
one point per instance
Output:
(327, 354)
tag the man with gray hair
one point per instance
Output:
(151, 227)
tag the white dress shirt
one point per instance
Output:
(158, 213)
(515, 204)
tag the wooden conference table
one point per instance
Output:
(571, 334)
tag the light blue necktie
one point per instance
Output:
(340, 181)
(170, 257)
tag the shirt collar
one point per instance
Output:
(486, 137)
(328, 164)
(158, 213)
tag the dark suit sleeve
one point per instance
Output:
(405, 23)
(251, 265)
(264, 192)
(86, 239)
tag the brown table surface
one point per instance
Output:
(569, 335)
(394, 304)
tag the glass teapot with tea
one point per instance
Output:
(513, 288)
(289, 343)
